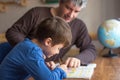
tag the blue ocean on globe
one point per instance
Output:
(109, 33)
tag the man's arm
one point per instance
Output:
(82, 41)
(21, 28)
(87, 49)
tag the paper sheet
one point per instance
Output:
(82, 71)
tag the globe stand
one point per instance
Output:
(110, 54)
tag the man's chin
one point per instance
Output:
(48, 56)
(68, 20)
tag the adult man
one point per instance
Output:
(68, 10)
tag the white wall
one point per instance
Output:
(99, 10)
(14, 12)
(96, 12)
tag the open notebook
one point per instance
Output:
(82, 71)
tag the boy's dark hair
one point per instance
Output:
(55, 28)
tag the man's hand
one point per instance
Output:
(72, 62)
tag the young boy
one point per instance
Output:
(28, 56)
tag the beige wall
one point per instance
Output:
(99, 10)
(96, 12)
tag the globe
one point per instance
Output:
(109, 34)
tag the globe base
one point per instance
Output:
(110, 54)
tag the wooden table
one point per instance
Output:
(107, 69)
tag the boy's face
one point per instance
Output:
(68, 11)
(52, 50)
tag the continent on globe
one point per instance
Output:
(109, 33)
(110, 42)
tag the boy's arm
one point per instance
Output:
(36, 66)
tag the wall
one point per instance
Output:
(14, 12)
(93, 15)
(99, 10)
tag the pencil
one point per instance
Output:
(60, 61)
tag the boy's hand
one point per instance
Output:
(63, 67)
(51, 65)
(72, 62)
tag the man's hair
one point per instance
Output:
(81, 3)
(55, 28)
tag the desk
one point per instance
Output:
(107, 69)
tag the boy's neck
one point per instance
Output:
(37, 42)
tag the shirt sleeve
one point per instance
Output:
(87, 49)
(21, 28)
(82, 40)
(35, 65)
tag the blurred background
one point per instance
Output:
(93, 15)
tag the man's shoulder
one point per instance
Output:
(40, 8)
(77, 21)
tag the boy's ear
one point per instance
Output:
(48, 42)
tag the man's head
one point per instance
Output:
(80, 3)
(69, 9)
(54, 33)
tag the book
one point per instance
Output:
(81, 72)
